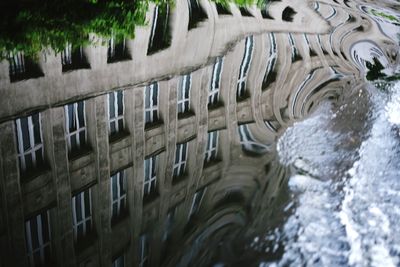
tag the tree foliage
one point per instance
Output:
(32, 26)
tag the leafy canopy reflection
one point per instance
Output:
(32, 26)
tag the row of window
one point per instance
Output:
(30, 140)
(151, 95)
(30, 143)
(75, 112)
(270, 73)
(38, 233)
(180, 162)
(31, 152)
(72, 58)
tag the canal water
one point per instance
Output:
(196, 133)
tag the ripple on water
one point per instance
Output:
(355, 223)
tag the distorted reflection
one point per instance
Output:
(161, 150)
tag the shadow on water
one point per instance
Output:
(199, 133)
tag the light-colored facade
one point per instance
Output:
(170, 179)
(188, 50)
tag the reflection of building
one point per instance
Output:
(174, 34)
(125, 173)
(106, 166)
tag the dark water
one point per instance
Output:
(214, 135)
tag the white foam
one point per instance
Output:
(393, 107)
(358, 226)
(309, 145)
(303, 182)
(355, 253)
(367, 212)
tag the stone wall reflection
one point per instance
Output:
(156, 160)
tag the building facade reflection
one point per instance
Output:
(153, 151)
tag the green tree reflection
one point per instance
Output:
(31, 26)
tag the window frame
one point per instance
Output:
(42, 245)
(121, 199)
(245, 65)
(152, 161)
(195, 209)
(117, 49)
(73, 58)
(153, 117)
(185, 85)
(294, 51)
(22, 67)
(273, 53)
(117, 117)
(153, 25)
(196, 13)
(214, 89)
(211, 150)
(17, 64)
(33, 147)
(66, 55)
(180, 165)
(111, 48)
(248, 142)
(83, 208)
(160, 33)
(144, 250)
(271, 61)
(79, 128)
